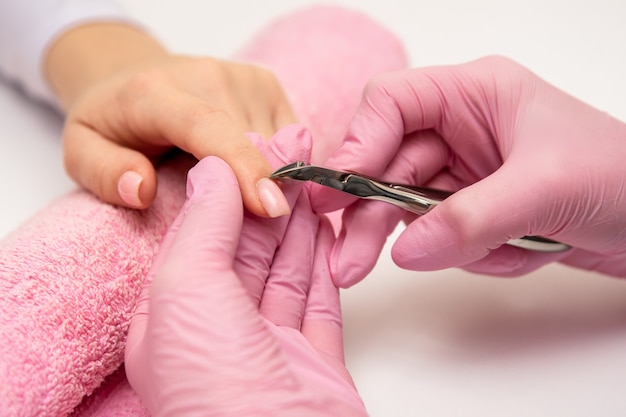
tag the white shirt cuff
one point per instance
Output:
(28, 28)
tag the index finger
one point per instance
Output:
(174, 117)
(322, 322)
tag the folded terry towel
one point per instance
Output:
(70, 276)
(69, 279)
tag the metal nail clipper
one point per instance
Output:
(417, 200)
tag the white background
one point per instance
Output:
(425, 344)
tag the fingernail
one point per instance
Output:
(272, 198)
(128, 188)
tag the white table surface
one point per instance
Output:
(425, 344)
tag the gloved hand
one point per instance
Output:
(257, 261)
(199, 342)
(527, 158)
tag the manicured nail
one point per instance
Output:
(128, 188)
(272, 198)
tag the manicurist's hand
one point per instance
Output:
(524, 157)
(129, 101)
(200, 345)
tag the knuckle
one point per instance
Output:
(205, 115)
(469, 226)
(217, 72)
(266, 76)
(206, 122)
(143, 84)
(207, 63)
(502, 65)
(377, 91)
(375, 86)
(240, 154)
(497, 60)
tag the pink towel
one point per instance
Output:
(70, 276)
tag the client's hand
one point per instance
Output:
(129, 101)
(198, 344)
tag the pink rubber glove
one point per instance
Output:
(256, 261)
(198, 344)
(530, 160)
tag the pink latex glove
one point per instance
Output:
(199, 344)
(530, 160)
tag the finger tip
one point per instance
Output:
(344, 276)
(344, 272)
(128, 188)
(135, 190)
(272, 199)
(292, 143)
(343, 282)
(206, 174)
(404, 257)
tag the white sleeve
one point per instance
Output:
(29, 27)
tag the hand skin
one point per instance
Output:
(527, 158)
(199, 345)
(129, 102)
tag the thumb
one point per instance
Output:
(204, 335)
(204, 235)
(116, 174)
(206, 239)
(208, 224)
(477, 220)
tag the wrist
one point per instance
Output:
(89, 53)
